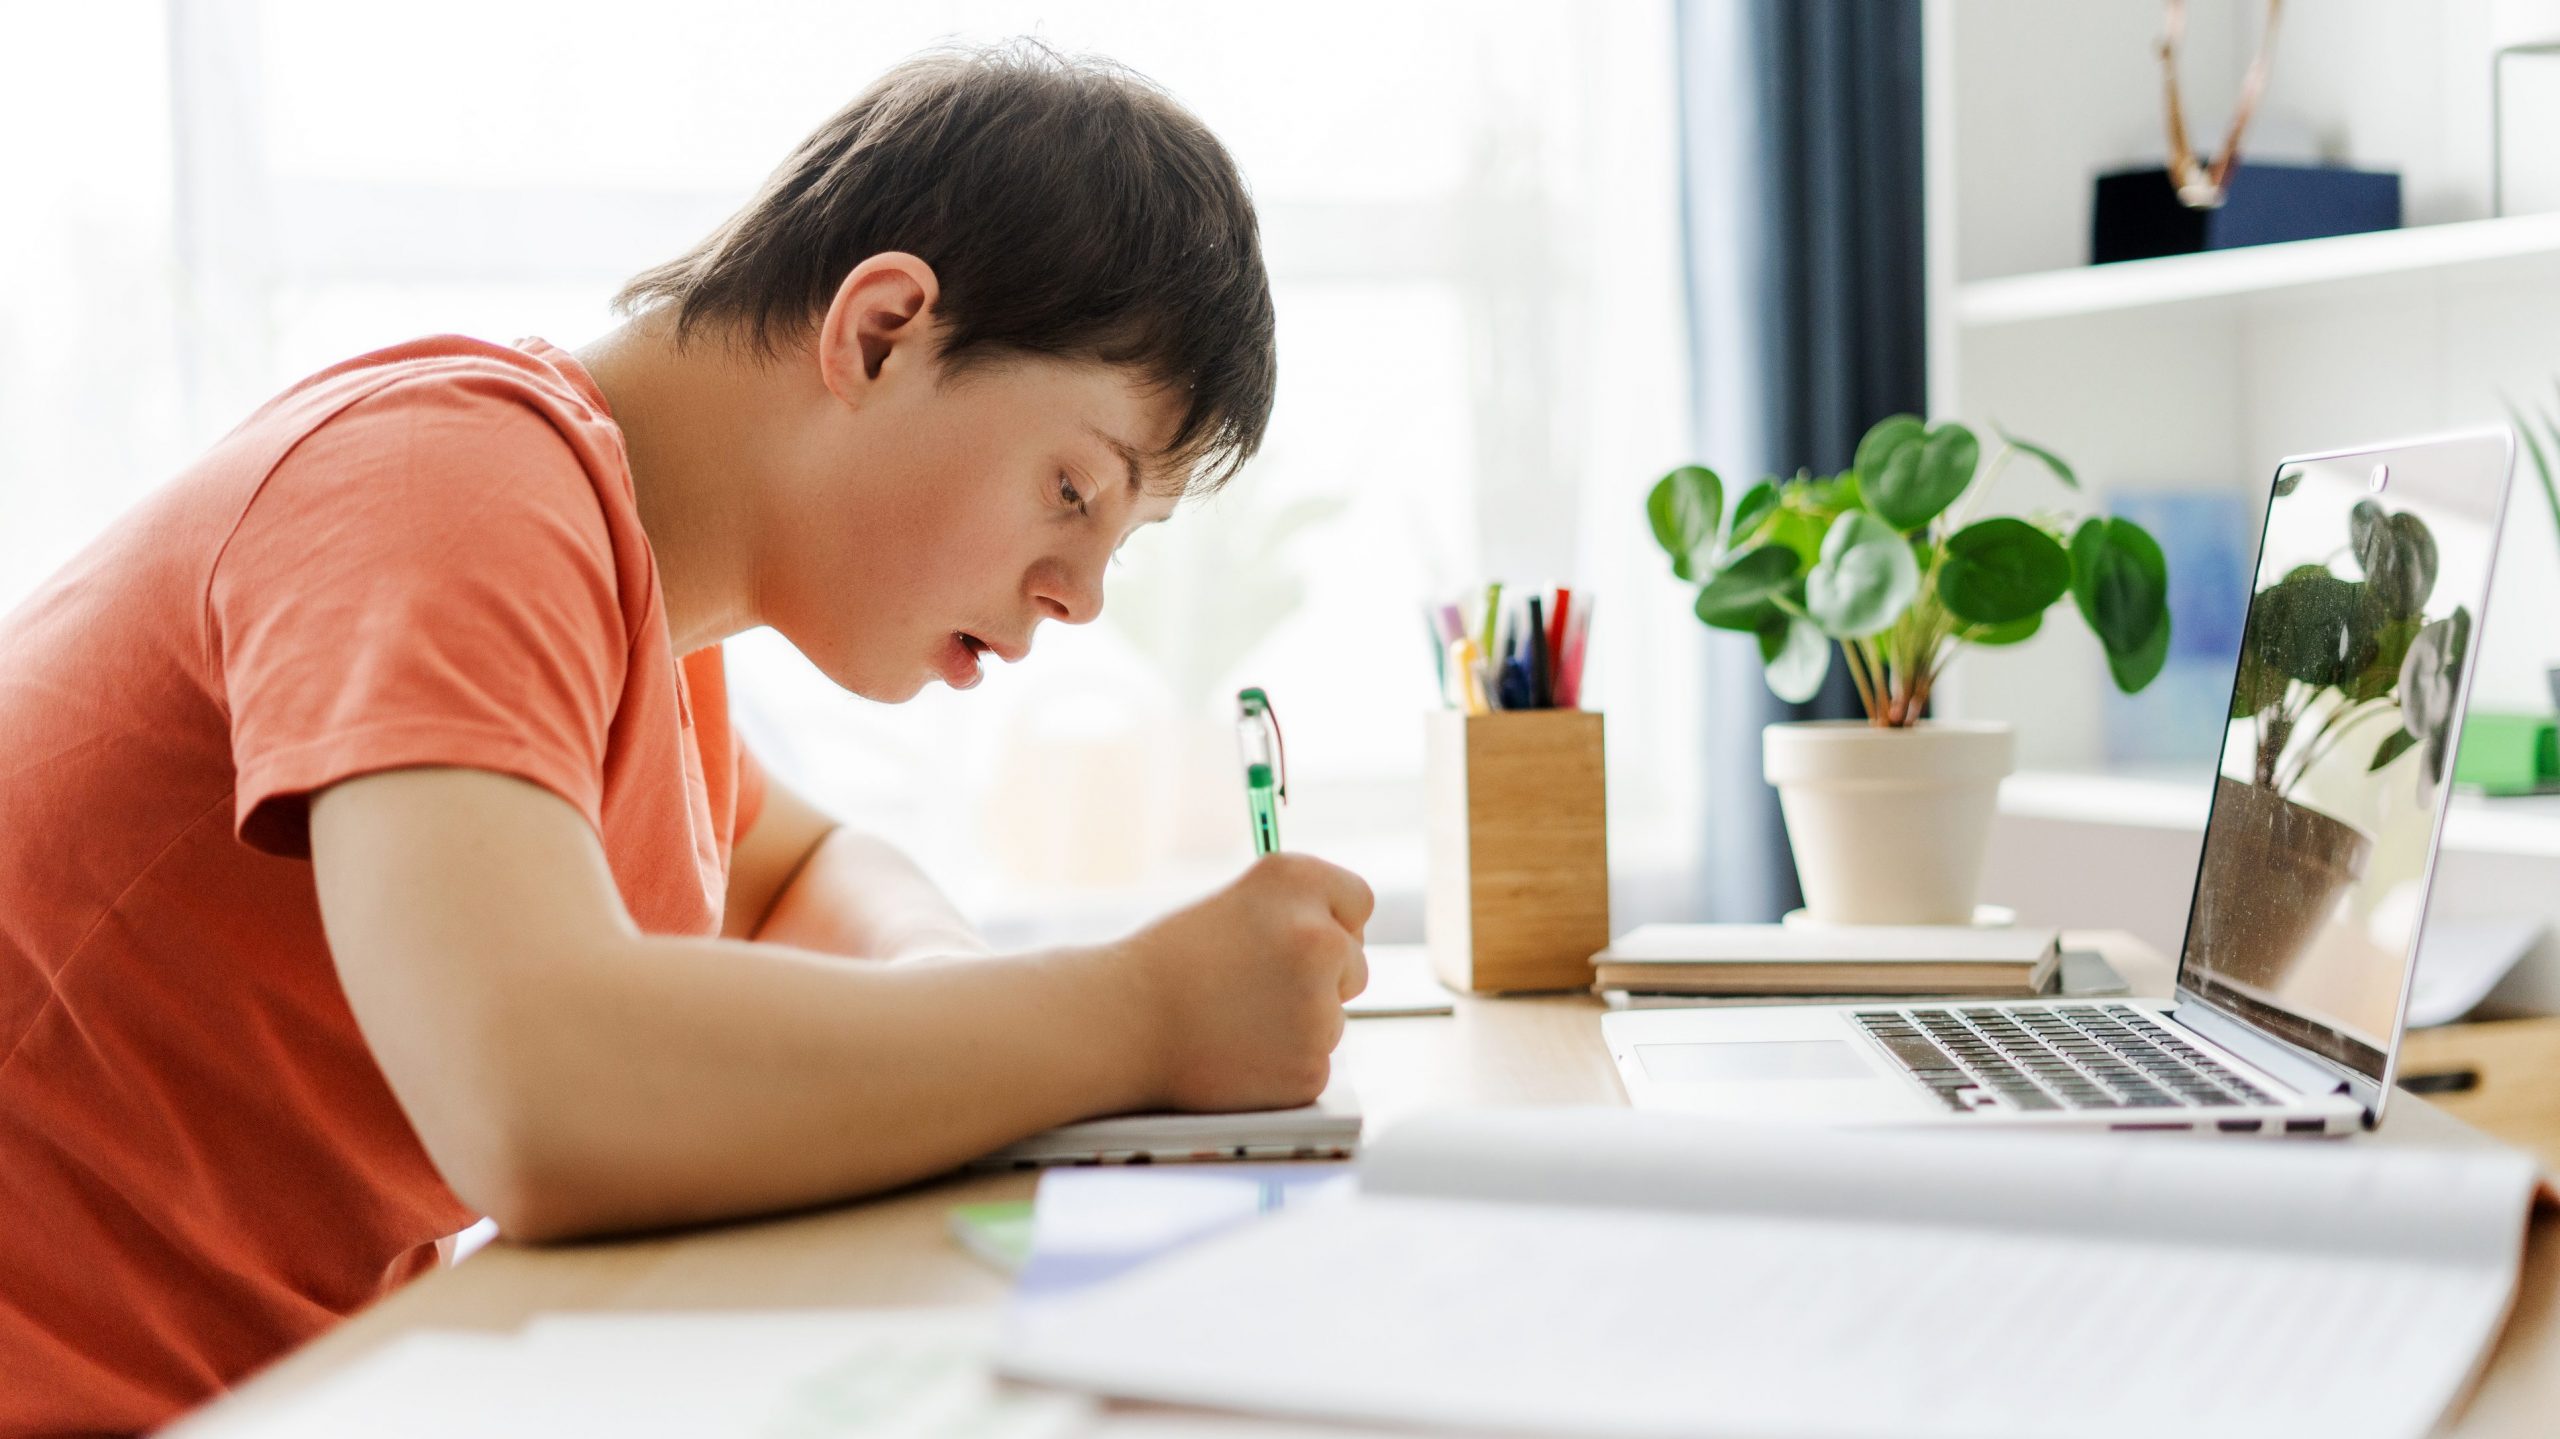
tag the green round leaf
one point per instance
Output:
(1743, 594)
(2305, 628)
(1883, 438)
(1797, 656)
(1684, 508)
(1918, 482)
(2140, 667)
(2398, 557)
(2430, 675)
(2000, 571)
(1865, 580)
(1799, 532)
(2382, 660)
(2120, 581)
(2008, 634)
(1755, 505)
(1841, 493)
(2257, 686)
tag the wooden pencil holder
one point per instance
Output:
(1518, 833)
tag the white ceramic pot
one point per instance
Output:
(1888, 825)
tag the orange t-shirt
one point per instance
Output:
(426, 556)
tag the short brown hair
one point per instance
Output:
(1069, 207)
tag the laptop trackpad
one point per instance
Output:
(1752, 1061)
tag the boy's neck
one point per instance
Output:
(697, 423)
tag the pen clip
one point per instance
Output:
(1253, 704)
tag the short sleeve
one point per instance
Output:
(426, 579)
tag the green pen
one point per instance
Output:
(1266, 767)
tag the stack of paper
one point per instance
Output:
(1828, 960)
(1611, 1273)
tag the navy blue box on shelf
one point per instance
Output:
(2137, 215)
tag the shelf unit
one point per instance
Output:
(2197, 373)
(2525, 828)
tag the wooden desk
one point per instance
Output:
(895, 1251)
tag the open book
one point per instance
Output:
(1606, 1272)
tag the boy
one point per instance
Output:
(379, 854)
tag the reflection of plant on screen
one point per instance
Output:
(2329, 661)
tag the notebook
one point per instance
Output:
(1944, 960)
(1326, 1129)
(1628, 1275)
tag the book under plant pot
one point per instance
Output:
(1888, 824)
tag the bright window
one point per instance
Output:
(1470, 214)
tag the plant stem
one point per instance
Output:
(1858, 677)
(2333, 732)
(1974, 493)
(1880, 668)
(1920, 695)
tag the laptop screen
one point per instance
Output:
(2337, 758)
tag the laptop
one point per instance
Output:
(2302, 933)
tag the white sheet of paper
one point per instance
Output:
(2460, 961)
(1400, 983)
(1591, 1322)
(1765, 1302)
(821, 1374)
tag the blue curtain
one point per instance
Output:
(1801, 206)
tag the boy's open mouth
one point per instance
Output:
(959, 660)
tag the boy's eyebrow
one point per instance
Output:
(1128, 453)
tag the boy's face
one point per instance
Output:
(941, 519)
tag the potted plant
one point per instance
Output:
(2333, 669)
(1888, 816)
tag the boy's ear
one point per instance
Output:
(880, 325)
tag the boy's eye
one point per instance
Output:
(1067, 492)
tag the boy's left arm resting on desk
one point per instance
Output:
(798, 877)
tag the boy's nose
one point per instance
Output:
(1062, 594)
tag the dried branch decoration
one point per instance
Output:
(2201, 187)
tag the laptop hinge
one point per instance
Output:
(2304, 1073)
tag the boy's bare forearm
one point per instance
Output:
(667, 1081)
(856, 894)
(572, 1076)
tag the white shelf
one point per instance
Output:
(2152, 800)
(2141, 799)
(2253, 270)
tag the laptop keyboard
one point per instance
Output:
(2054, 1056)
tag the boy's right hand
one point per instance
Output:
(1243, 991)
